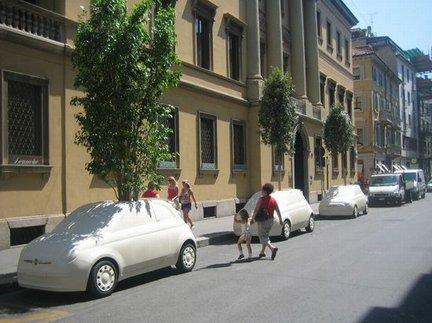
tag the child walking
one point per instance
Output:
(246, 235)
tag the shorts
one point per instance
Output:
(187, 206)
(264, 228)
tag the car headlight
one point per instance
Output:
(396, 192)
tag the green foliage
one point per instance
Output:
(338, 131)
(124, 63)
(277, 117)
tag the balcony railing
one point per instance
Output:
(27, 18)
(386, 116)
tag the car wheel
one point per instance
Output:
(366, 209)
(187, 258)
(355, 212)
(311, 225)
(399, 203)
(424, 195)
(286, 230)
(103, 279)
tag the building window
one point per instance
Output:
(329, 35)
(239, 145)
(349, 105)
(25, 107)
(234, 48)
(341, 96)
(208, 142)
(374, 75)
(263, 59)
(319, 155)
(360, 137)
(358, 103)
(347, 51)
(409, 97)
(335, 162)
(403, 73)
(203, 41)
(319, 24)
(352, 159)
(338, 44)
(286, 63)
(322, 89)
(173, 142)
(332, 93)
(278, 161)
(356, 73)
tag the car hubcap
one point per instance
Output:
(286, 230)
(311, 223)
(105, 278)
(189, 257)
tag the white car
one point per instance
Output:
(347, 200)
(100, 244)
(295, 210)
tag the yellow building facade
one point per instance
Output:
(226, 49)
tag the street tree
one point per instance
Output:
(277, 117)
(125, 60)
(338, 131)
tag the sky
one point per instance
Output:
(406, 22)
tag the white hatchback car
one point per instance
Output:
(342, 200)
(100, 244)
(295, 210)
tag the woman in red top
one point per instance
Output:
(151, 191)
(266, 206)
(173, 191)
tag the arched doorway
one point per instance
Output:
(301, 164)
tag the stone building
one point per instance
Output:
(226, 49)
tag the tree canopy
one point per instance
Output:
(338, 131)
(124, 63)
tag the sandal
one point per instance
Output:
(262, 255)
(274, 251)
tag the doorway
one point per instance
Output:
(300, 164)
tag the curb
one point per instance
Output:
(8, 282)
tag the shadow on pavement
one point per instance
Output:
(416, 306)
(230, 263)
(26, 301)
(334, 217)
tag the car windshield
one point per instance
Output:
(430, 182)
(409, 176)
(90, 219)
(384, 180)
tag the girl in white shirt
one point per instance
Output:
(246, 235)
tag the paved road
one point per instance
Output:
(377, 268)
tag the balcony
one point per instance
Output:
(386, 116)
(20, 20)
(393, 150)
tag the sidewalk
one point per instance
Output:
(208, 232)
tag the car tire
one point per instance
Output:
(355, 212)
(286, 230)
(424, 195)
(103, 279)
(311, 224)
(366, 210)
(399, 202)
(187, 258)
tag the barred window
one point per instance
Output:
(173, 142)
(319, 155)
(234, 51)
(25, 107)
(239, 145)
(208, 141)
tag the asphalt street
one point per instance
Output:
(376, 268)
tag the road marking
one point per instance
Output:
(43, 316)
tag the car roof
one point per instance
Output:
(386, 174)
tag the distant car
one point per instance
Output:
(295, 210)
(342, 200)
(100, 244)
(387, 189)
(429, 186)
(417, 180)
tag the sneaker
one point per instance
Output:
(262, 255)
(273, 256)
(240, 257)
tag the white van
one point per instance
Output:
(387, 188)
(416, 176)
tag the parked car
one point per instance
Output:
(342, 200)
(416, 176)
(429, 186)
(295, 210)
(100, 244)
(387, 189)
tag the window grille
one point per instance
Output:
(208, 154)
(239, 146)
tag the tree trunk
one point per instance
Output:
(280, 172)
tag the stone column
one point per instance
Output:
(311, 44)
(298, 61)
(274, 34)
(254, 78)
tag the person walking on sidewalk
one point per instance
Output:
(246, 235)
(186, 195)
(264, 215)
(173, 192)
